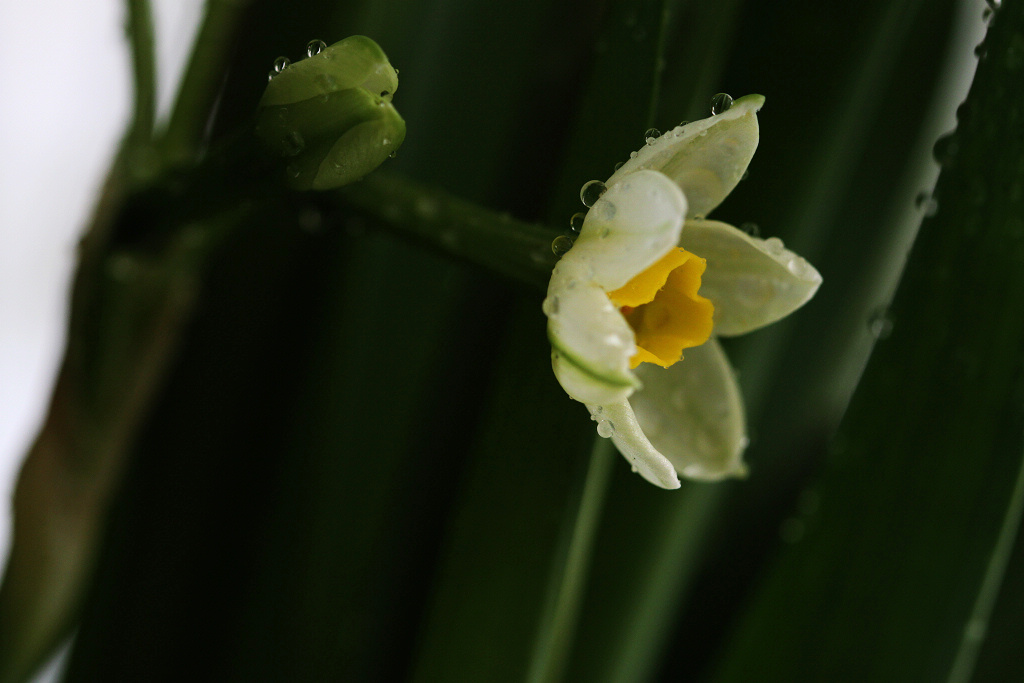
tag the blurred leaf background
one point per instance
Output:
(358, 465)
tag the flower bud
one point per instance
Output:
(331, 115)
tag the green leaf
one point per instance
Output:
(889, 579)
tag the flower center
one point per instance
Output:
(662, 306)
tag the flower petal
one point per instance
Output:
(692, 413)
(629, 438)
(706, 158)
(752, 282)
(591, 342)
(631, 226)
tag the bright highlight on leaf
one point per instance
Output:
(647, 278)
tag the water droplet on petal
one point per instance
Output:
(651, 135)
(605, 428)
(720, 103)
(576, 222)
(619, 165)
(281, 63)
(682, 123)
(591, 192)
(560, 245)
(751, 229)
(774, 246)
(315, 47)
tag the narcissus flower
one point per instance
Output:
(634, 306)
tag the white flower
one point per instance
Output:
(633, 293)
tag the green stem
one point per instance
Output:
(183, 138)
(570, 569)
(140, 36)
(496, 241)
(974, 631)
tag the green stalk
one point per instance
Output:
(184, 137)
(140, 37)
(467, 231)
(570, 570)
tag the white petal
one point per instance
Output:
(706, 158)
(752, 282)
(630, 227)
(634, 446)
(692, 413)
(591, 341)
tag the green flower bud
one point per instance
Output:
(331, 115)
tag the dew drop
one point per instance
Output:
(591, 192)
(560, 245)
(774, 246)
(315, 47)
(682, 123)
(605, 428)
(651, 135)
(720, 103)
(281, 63)
(946, 148)
(751, 229)
(619, 165)
(293, 143)
(326, 82)
(576, 222)
(880, 324)
(927, 203)
(632, 155)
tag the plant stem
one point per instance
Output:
(570, 569)
(496, 241)
(183, 139)
(140, 36)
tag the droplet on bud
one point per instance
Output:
(281, 63)
(720, 103)
(315, 47)
(651, 135)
